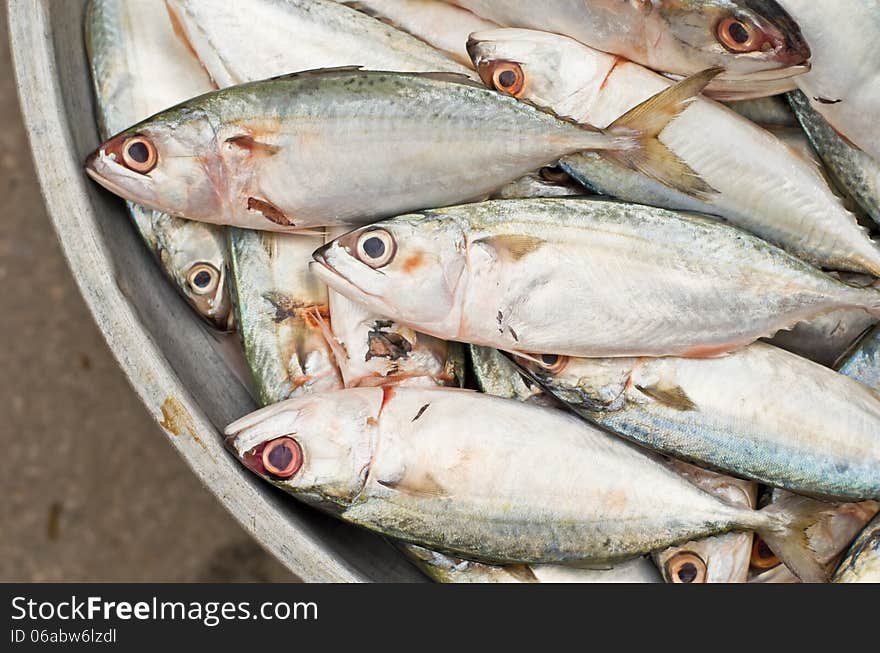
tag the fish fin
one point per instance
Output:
(317, 72)
(515, 246)
(249, 143)
(788, 535)
(646, 121)
(674, 396)
(336, 348)
(523, 573)
(271, 212)
(425, 485)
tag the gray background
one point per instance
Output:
(89, 487)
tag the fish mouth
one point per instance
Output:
(96, 162)
(328, 272)
(792, 47)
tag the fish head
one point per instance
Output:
(742, 36)
(193, 254)
(409, 268)
(163, 163)
(316, 446)
(547, 69)
(591, 385)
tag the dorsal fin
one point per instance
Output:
(317, 72)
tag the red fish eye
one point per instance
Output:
(139, 154)
(739, 36)
(282, 457)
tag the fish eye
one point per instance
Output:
(203, 278)
(139, 154)
(508, 77)
(762, 556)
(739, 35)
(376, 248)
(686, 567)
(552, 362)
(282, 457)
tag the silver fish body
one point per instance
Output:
(671, 37)
(439, 24)
(581, 278)
(229, 157)
(856, 172)
(760, 183)
(446, 569)
(402, 461)
(760, 413)
(139, 68)
(327, 34)
(280, 306)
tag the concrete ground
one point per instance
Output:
(65, 515)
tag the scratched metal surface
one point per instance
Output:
(164, 351)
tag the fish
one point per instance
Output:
(719, 559)
(373, 350)
(403, 462)
(327, 34)
(280, 308)
(843, 83)
(856, 172)
(580, 277)
(138, 68)
(863, 363)
(495, 374)
(767, 111)
(862, 562)
(758, 45)
(761, 185)
(761, 413)
(439, 24)
(446, 569)
(231, 157)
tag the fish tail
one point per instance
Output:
(639, 128)
(785, 529)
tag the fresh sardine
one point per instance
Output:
(580, 277)
(404, 462)
(268, 155)
(748, 38)
(139, 68)
(761, 413)
(761, 184)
